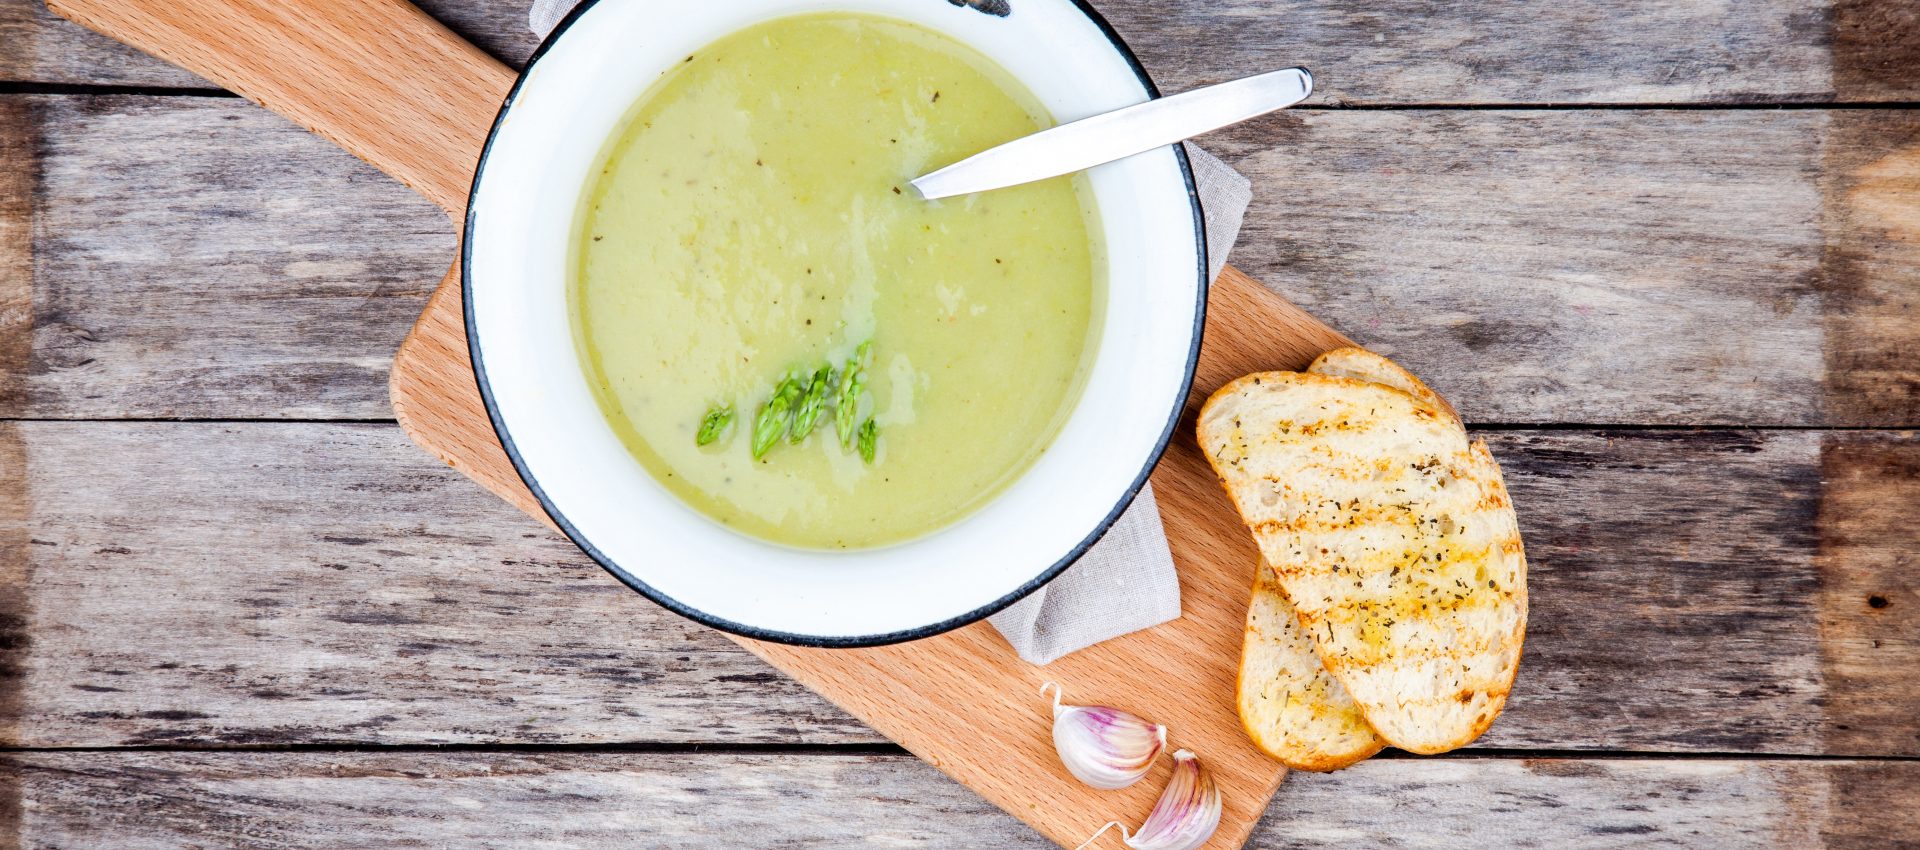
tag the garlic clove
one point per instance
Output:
(1104, 747)
(1184, 817)
(1188, 811)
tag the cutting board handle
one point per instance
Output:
(416, 102)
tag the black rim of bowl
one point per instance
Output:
(798, 639)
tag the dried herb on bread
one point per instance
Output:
(1290, 705)
(1390, 534)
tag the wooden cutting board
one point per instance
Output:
(388, 83)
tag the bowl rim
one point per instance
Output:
(664, 600)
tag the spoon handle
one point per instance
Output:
(1120, 133)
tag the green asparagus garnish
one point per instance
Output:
(869, 439)
(716, 421)
(853, 380)
(774, 416)
(847, 403)
(797, 404)
(814, 401)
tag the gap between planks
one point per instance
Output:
(350, 592)
(853, 750)
(1472, 426)
(1688, 51)
(1594, 267)
(28, 87)
(698, 801)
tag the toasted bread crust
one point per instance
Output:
(1391, 534)
(1364, 365)
(1291, 707)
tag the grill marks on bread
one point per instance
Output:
(1290, 705)
(1389, 533)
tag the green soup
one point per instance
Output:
(751, 221)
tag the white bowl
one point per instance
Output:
(544, 145)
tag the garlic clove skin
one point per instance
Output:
(1187, 813)
(1104, 747)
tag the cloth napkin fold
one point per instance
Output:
(1126, 582)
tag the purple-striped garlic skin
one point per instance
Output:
(1104, 747)
(1187, 813)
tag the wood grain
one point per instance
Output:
(1875, 47)
(1582, 266)
(19, 182)
(382, 80)
(445, 402)
(1417, 51)
(905, 691)
(605, 800)
(17, 139)
(1697, 591)
(305, 59)
(339, 586)
(43, 48)
(1686, 266)
(211, 262)
(342, 588)
(378, 77)
(1870, 266)
(1869, 563)
(16, 615)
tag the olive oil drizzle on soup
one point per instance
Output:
(752, 220)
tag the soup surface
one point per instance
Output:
(752, 223)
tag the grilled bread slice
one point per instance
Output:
(1291, 706)
(1390, 534)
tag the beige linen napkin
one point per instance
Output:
(1126, 582)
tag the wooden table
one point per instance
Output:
(1664, 256)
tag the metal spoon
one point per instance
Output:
(1120, 133)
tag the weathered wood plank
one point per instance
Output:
(203, 259)
(1423, 52)
(1408, 52)
(267, 584)
(1869, 565)
(589, 800)
(16, 311)
(15, 617)
(1870, 268)
(19, 123)
(41, 47)
(1674, 267)
(262, 583)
